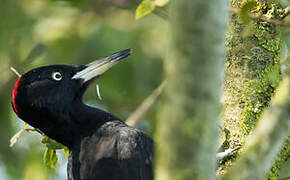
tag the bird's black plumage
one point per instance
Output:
(102, 147)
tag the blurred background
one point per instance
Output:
(35, 33)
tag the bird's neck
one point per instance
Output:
(70, 127)
(89, 119)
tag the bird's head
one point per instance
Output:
(51, 90)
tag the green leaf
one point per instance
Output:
(50, 157)
(51, 144)
(145, 8)
(246, 9)
(161, 3)
(66, 151)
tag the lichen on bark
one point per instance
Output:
(252, 72)
(267, 139)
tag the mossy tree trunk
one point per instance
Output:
(266, 140)
(187, 131)
(252, 71)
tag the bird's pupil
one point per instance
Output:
(57, 76)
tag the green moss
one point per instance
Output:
(272, 44)
(224, 164)
(266, 32)
(256, 96)
(263, 67)
(283, 156)
(259, 60)
(253, 71)
(266, 36)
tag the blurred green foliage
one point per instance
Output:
(148, 6)
(50, 157)
(35, 33)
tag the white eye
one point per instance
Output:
(56, 76)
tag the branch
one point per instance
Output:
(35, 52)
(15, 71)
(256, 16)
(15, 138)
(265, 143)
(136, 116)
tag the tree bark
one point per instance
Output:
(187, 129)
(252, 72)
(267, 139)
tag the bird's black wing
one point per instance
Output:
(116, 152)
(135, 152)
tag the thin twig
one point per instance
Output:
(35, 52)
(15, 71)
(15, 138)
(146, 105)
(35, 130)
(256, 16)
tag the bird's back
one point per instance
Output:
(114, 152)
